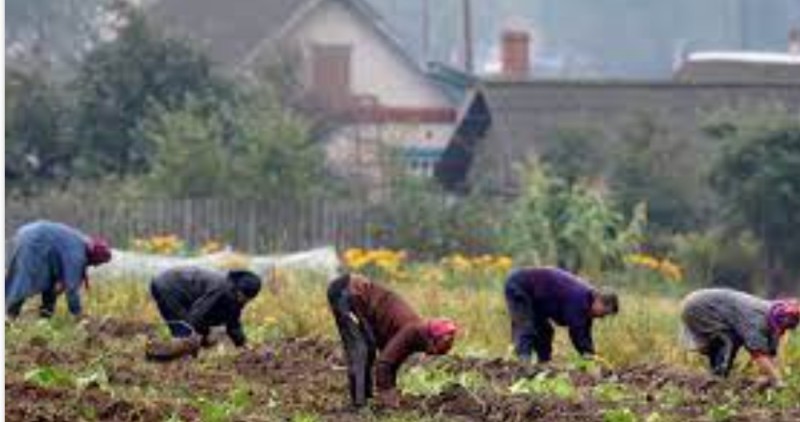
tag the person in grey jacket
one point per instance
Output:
(192, 300)
(49, 258)
(718, 322)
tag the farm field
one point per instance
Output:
(293, 370)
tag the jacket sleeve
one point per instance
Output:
(406, 342)
(580, 332)
(235, 331)
(203, 307)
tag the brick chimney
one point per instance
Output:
(515, 54)
(794, 41)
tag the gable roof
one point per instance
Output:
(234, 30)
(229, 29)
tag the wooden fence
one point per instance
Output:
(253, 225)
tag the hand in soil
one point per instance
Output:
(389, 399)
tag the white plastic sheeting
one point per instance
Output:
(128, 265)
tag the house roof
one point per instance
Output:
(504, 120)
(229, 29)
(234, 30)
(742, 67)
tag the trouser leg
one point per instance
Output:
(14, 308)
(721, 353)
(358, 351)
(173, 313)
(543, 338)
(523, 324)
(48, 306)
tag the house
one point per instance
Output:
(348, 63)
(508, 114)
(739, 66)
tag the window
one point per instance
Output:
(330, 73)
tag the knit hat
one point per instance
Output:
(246, 282)
(784, 315)
(99, 252)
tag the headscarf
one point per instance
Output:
(99, 251)
(441, 327)
(784, 315)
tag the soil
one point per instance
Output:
(307, 375)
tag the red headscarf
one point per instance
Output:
(99, 251)
(441, 327)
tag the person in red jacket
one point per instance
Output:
(370, 318)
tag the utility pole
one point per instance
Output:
(426, 27)
(468, 67)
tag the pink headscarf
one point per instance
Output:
(441, 327)
(784, 315)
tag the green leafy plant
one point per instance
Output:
(426, 382)
(610, 392)
(49, 376)
(543, 384)
(722, 412)
(619, 415)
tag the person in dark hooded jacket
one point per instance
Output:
(49, 258)
(192, 300)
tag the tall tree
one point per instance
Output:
(118, 84)
(58, 31)
(38, 148)
(757, 174)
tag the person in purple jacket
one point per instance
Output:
(536, 296)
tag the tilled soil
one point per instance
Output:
(307, 375)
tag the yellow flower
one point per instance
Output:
(211, 246)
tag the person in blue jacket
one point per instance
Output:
(49, 258)
(537, 296)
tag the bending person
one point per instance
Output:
(192, 300)
(718, 322)
(49, 258)
(373, 319)
(537, 296)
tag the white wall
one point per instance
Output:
(376, 68)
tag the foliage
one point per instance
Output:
(722, 413)
(424, 219)
(570, 225)
(757, 174)
(118, 85)
(422, 381)
(38, 147)
(619, 415)
(49, 376)
(576, 153)
(237, 400)
(190, 159)
(719, 258)
(542, 384)
(654, 166)
(58, 32)
(254, 148)
(272, 153)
